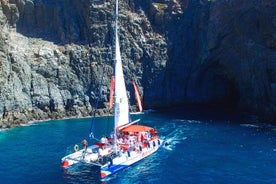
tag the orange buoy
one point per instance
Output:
(103, 174)
(65, 163)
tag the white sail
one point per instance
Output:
(121, 100)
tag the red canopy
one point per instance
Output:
(136, 128)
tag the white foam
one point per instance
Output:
(249, 125)
(3, 129)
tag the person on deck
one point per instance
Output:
(84, 144)
(142, 138)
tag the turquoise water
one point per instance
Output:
(204, 148)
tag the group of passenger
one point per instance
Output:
(127, 140)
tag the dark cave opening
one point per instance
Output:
(225, 92)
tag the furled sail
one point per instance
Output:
(111, 94)
(137, 96)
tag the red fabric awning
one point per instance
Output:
(136, 128)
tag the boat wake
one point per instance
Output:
(176, 136)
(171, 143)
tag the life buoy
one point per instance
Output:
(76, 148)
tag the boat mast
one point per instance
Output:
(116, 45)
(121, 100)
(116, 23)
(121, 107)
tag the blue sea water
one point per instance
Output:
(205, 147)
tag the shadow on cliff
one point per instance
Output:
(61, 22)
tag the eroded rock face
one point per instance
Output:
(53, 54)
(54, 60)
(220, 52)
(241, 40)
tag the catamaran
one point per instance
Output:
(129, 142)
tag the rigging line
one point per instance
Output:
(91, 135)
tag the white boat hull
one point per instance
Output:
(85, 156)
(115, 163)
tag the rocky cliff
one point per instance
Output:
(53, 54)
